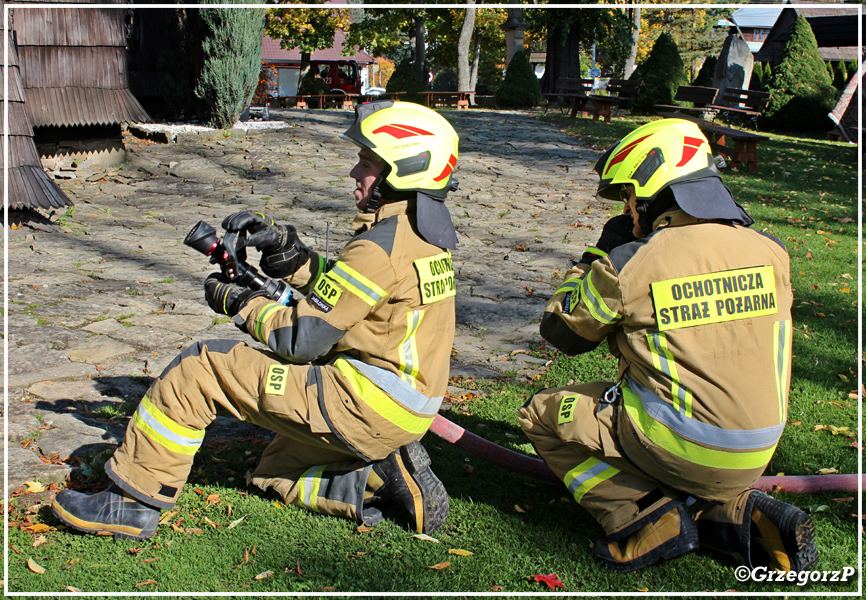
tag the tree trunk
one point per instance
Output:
(305, 67)
(476, 59)
(463, 75)
(563, 48)
(631, 61)
(421, 48)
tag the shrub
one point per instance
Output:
(757, 82)
(520, 87)
(705, 75)
(840, 76)
(312, 85)
(445, 81)
(406, 80)
(232, 48)
(662, 73)
(802, 92)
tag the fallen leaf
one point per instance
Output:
(74, 590)
(855, 445)
(150, 560)
(199, 491)
(496, 588)
(469, 469)
(38, 528)
(299, 567)
(818, 428)
(425, 537)
(212, 499)
(166, 517)
(838, 430)
(328, 589)
(363, 529)
(844, 500)
(796, 422)
(518, 509)
(264, 574)
(146, 582)
(211, 523)
(440, 566)
(134, 550)
(193, 530)
(39, 540)
(33, 566)
(34, 487)
(828, 471)
(234, 523)
(460, 552)
(842, 377)
(819, 508)
(644, 590)
(553, 581)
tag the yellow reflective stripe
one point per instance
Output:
(310, 482)
(385, 406)
(664, 437)
(409, 348)
(597, 308)
(783, 332)
(266, 313)
(567, 286)
(586, 476)
(156, 426)
(356, 283)
(664, 361)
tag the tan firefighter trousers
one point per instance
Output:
(306, 463)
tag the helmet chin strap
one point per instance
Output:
(376, 197)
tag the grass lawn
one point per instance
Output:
(505, 528)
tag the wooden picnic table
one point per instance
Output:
(602, 106)
(744, 150)
(433, 99)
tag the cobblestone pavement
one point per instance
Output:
(104, 297)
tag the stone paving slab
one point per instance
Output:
(103, 297)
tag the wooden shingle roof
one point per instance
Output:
(73, 65)
(29, 185)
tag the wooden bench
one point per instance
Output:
(737, 102)
(576, 90)
(620, 93)
(434, 99)
(699, 96)
(745, 148)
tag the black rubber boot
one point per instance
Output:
(109, 511)
(782, 535)
(410, 483)
(666, 533)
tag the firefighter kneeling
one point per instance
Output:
(355, 371)
(697, 308)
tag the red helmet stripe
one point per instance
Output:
(400, 131)
(452, 161)
(690, 148)
(620, 156)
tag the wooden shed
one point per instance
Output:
(29, 185)
(74, 75)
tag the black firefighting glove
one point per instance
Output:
(225, 297)
(616, 232)
(282, 253)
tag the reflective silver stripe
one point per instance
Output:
(668, 366)
(152, 420)
(596, 305)
(310, 482)
(396, 388)
(782, 364)
(410, 350)
(345, 274)
(586, 476)
(696, 431)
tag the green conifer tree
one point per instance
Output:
(405, 79)
(520, 87)
(232, 48)
(840, 76)
(802, 92)
(757, 82)
(705, 75)
(662, 73)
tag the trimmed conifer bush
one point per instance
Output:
(406, 80)
(801, 91)
(840, 76)
(520, 87)
(757, 82)
(662, 72)
(313, 86)
(232, 48)
(705, 75)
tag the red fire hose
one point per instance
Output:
(534, 467)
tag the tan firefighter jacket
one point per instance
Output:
(699, 315)
(382, 315)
